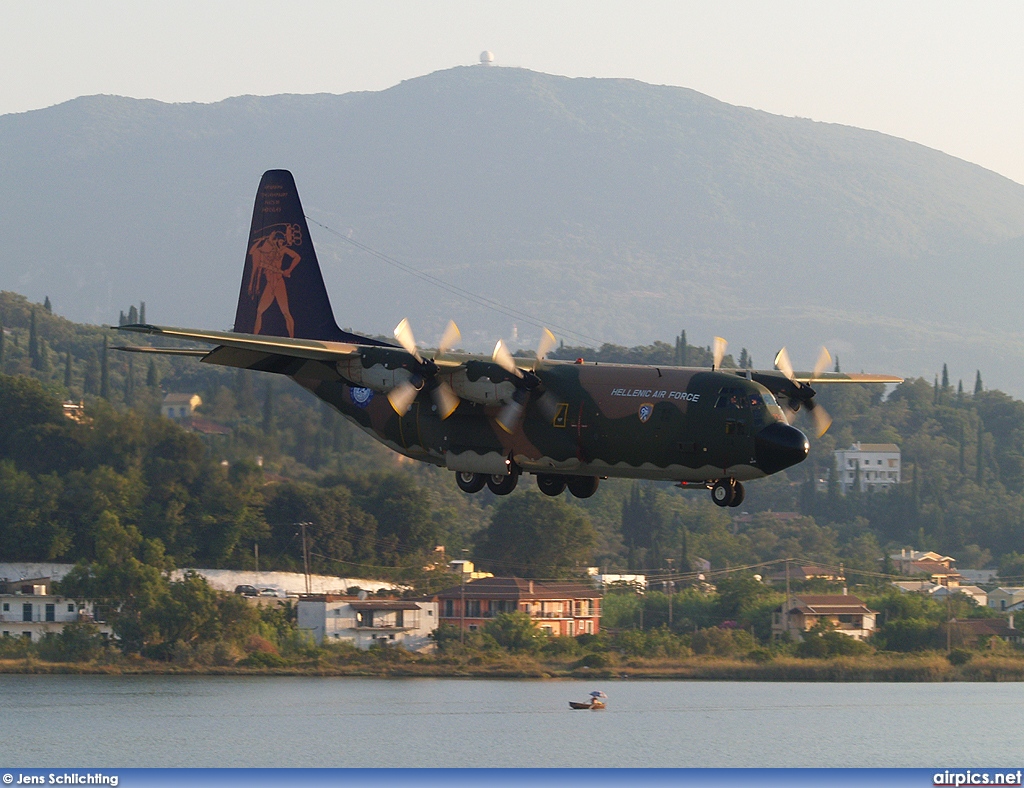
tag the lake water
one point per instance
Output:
(108, 721)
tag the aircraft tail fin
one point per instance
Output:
(283, 292)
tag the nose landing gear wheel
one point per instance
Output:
(727, 492)
(502, 485)
(470, 482)
(550, 484)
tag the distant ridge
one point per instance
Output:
(628, 210)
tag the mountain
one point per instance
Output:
(619, 210)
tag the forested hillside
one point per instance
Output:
(125, 475)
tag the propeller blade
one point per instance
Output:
(783, 364)
(403, 333)
(719, 352)
(445, 399)
(547, 404)
(822, 421)
(824, 362)
(449, 339)
(402, 396)
(510, 416)
(547, 342)
(503, 358)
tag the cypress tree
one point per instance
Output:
(978, 388)
(47, 305)
(837, 365)
(268, 409)
(104, 373)
(152, 379)
(142, 311)
(684, 351)
(90, 383)
(67, 370)
(133, 314)
(979, 471)
(945, 379)
(121, 319)
(963, 451)
(33, 341)
(44, 357)
(935, 393)
(129, 382)
(960, 393)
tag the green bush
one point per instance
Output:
(959, 656)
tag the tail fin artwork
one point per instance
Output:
(283, 292)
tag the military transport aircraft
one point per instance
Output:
(492, 418)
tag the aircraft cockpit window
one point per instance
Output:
(733, 399)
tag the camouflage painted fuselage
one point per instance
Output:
(663, 423)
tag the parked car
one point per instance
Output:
(247, 590)
(274, 592)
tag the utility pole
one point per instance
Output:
(785, 610)
(462, 601)
(305, 557)
(671, 590)
(256, 555)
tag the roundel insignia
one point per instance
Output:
(361, 396)
(645, 411)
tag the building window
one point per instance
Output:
(26, 635)
(26, 611)
(449, 608)
(51, 612)
(71, 608)
(399, 618)
(7, 607)
(473, 608)
(472, 627)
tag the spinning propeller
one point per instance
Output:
(424, 373)
(801, 393)
(510, 416)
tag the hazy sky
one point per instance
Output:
(948, 75)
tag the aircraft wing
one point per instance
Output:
(310, 349)
(844, 377)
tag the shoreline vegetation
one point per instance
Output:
(931, 667)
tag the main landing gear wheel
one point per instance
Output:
(502, 485)
(582, 486)
(727, 492)
(470, 482)
(550, 484)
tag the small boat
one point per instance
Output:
(595, 703)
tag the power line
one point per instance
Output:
(487, 303)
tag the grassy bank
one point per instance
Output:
(930, 667)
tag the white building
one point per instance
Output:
(180, 406)
(876, 465)
(29, 610)
(363, 622)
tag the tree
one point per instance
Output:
(152, 378)
(945, 379)
(142, 311)
(978, 388)
(133, 315)
(268, 409)
(515, 632)
(2, 349)
(47, 305)
(104, 372)
(533, 535)
(33, 341)
(67, 369)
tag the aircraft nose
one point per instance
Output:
(779, 446)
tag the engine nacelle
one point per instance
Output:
(379, 377)
(481, 382)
